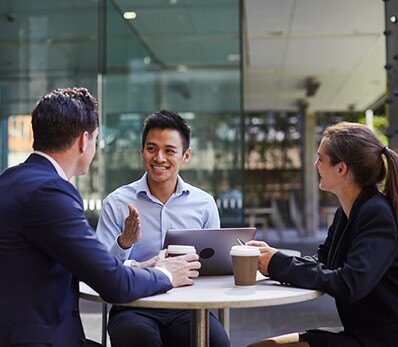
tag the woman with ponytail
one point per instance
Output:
(358, 262)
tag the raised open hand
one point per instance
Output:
(132, 229)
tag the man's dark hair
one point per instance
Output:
(61, 116)
(167, 120)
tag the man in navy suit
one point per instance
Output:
(46, 243)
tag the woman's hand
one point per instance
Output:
(266, 254)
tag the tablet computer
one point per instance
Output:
(212, 245)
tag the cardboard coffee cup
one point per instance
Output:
(244, 264)
(176, 250)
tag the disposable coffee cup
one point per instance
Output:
(176, 250)
(244, 265)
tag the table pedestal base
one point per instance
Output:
(200, 328)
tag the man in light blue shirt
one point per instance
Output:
(187, 208)
(159, 201)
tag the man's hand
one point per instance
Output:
(183, 268)
(132, 229)
(266, 253)
(151, 262)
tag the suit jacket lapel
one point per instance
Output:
(340, 230)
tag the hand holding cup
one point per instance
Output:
(182, 267)
(266, 253)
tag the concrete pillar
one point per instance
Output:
(391, 33)
(310, 177)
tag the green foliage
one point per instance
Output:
(380, 125)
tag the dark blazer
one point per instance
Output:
(358, 266)
(46, 247)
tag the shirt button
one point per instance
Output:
(75, 312)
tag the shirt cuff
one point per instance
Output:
(166, 272)
(130, 263)
(119, 252)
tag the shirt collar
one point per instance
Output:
(142, 186)
(57, 167)
(182, 187)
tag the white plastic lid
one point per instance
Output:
(244, 251)
(180, 249)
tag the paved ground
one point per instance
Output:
(253, 324)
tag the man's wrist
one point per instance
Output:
(166, 272)
(123, 244)
(131, 263)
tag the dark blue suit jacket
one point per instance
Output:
(46, 247)
(358, 266)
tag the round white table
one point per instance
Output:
(215, 292)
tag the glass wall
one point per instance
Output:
(273, 166)
(173, 56)
(43, 45)
(138, 57)
(176, 55)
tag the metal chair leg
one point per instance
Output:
(104, 323)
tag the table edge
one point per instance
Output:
(143, 302)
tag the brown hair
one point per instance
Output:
(61, 116)
(358, 147)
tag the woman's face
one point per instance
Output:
(328, 173)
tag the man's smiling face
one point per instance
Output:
(163, 155)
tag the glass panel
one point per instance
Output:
(183, 57)
(272, 167)
(20, 139)
(43, 45)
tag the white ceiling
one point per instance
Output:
(339, 42)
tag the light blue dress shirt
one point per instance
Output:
(188, 208)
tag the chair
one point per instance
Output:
(104, 324)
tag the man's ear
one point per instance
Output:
(83, 141)
(187, 156)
